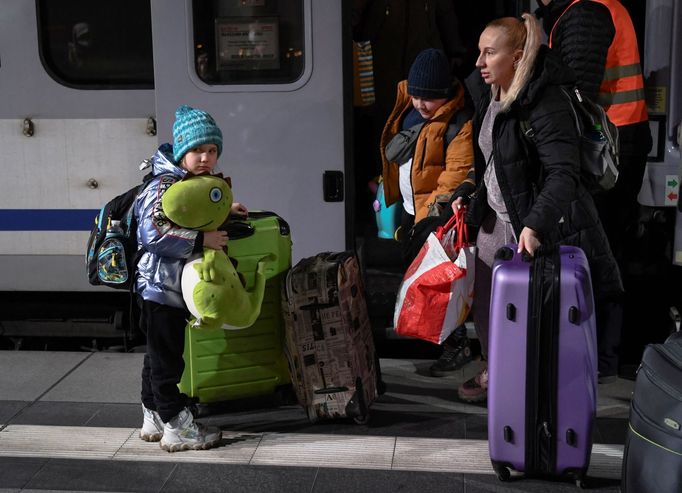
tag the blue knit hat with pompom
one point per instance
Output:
(193, 128)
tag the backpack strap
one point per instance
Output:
(456, 124)
(574, 99)
(528, 137)
(527, 131)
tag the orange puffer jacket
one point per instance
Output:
(436, 172)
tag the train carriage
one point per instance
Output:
(88, 90)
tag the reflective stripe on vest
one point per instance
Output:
(608, 98)
(622, 90)
(614, 73)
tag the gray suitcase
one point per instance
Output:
(652, 460)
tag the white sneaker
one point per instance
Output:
(183, 433)
(152, 427)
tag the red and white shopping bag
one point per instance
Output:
(437, 291)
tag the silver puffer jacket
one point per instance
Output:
(166, 246)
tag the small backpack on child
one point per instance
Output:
(598, 142)
(113, 243)
(111, 252)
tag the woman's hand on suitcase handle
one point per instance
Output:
(528, 241)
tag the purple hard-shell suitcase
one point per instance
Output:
(542, 392)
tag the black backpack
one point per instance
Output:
(111, 253)
(599, 146)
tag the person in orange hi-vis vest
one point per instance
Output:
(596, 38)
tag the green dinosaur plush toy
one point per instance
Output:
(211, 286)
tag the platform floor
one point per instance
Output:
(69, 421)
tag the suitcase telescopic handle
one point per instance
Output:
(545, 250)
(237, 230)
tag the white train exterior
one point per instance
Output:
(68, 150)
(275, 75)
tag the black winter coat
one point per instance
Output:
(582, 39)
(540, 180)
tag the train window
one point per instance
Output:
(248, 41)
(97, 45)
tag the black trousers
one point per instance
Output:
(408, 249)
(163, 363)
(619, 214)
(413, 236)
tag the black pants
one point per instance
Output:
(619, 213)
(163, 363)
(408, 249)
(413, 236)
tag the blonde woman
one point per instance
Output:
(525, 190)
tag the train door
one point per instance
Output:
(657, 242)
(271, 74)
(387, 36)
(663, 71)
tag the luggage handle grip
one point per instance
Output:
(237, 230)
(507, 252)
(313, 306)
(330, 390)
(542, 251)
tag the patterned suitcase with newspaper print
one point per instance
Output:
(329, 342)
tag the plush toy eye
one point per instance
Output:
(215, 194)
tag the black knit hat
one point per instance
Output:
(430, 75)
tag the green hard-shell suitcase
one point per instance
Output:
(223, 365)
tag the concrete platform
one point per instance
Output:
(69, 421)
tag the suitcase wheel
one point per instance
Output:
(284, 395)
(503, 473)
(579, 477)
(361, 420)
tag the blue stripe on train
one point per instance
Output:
(47, 219)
